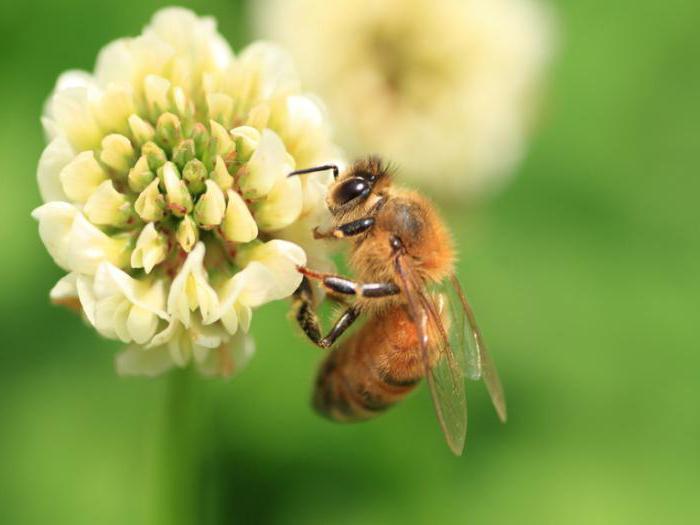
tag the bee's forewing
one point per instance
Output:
(465, 330)
(461, 334)
(445, 375)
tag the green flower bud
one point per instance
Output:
(178, 196)
(156, 156)
(246, 139)
(182, 104)
(183, 153)
(221, 176)
(194, 174)
(150, 204)
(187, 233)
(117, 153)
(221, 143)
(168, 131)
(156, 90)
(200, 136)
(141, 131)
(140, 176)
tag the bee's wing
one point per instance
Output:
(468, 344)
(443, 370)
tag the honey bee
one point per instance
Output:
(418, 323)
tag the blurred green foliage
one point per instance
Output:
(583, 272)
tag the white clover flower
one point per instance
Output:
(445, 89)
(166, 196)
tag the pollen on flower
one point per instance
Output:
(166, 197)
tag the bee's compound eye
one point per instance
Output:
(350, 189)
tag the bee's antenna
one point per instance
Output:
(315, 169)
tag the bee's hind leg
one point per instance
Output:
(304, 313)
(308, 319)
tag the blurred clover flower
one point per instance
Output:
(166, 197)
(446, 89)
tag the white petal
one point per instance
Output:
(164, 336)
(239, 225)
(69, 109)
(252, 285)
(126, 62)
(211, 206)
(281, 259)
(55, 223)
(88, 246)
(119, 321)
(151, 248)
(192, 36)
(268, 165)
(88, 301)
(269, 273)
(245, 315)
(224, 142)
(180, 346)
(115, 63)
(65, 288)
(75, 78)
(209, 336)
(229, 318)
(272, 66)
(137, 360)
(117, 152)
(141, 325)
(191, 291)
(81, 177)
(121, 307)
(220, 107)
(156, 89)
(229, 358)
(113, 109)
(56, 156)
(148, 294)
(282, 206)
(106, 206)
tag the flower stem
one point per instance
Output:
(179, 451)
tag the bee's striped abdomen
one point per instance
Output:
(370, 372)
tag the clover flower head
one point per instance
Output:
(166, 196)
(444, 89)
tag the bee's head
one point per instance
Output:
(352, 188)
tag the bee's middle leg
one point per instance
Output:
(308, 319)
(345, 286)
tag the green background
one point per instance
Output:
(583, 272)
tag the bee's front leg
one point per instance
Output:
(349, 229)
